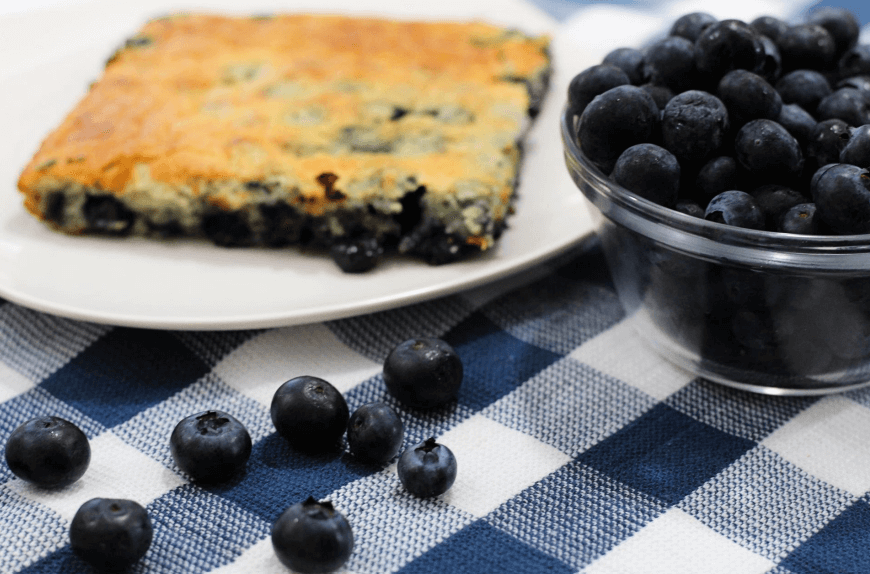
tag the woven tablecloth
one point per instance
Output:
(578, 449)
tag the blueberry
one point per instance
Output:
(841, 193)
(614, 121)
(855, 62)
(689, 207)
(694, 126)
(210, 446)
(857, 150)
(670, 62)
(736, 208)
(805, 88)
(423, 372)
(774, 201)
(769, 26)
(48, 451)
(649, 171)
(797, 122)
(660, 94)
(768, 151)
(747, 97)
(800, 219)
(690, 26)
(309, 413)
(312, 537)
(356, 255)
(630, 61)
(728, 45)
(857, 82)
(227, 229)
(807, 46)
(847, 104)
(592, 82)
(110, 534)
(717, 175)
(107, 215)
(771, 65)
(374, 433)
(427, 469)
(840, 24)
(827, 140)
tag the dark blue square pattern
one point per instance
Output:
(125, 372)
(841, 547)
(494, 362)
(665, 454)
(299, 475)
(483, 549)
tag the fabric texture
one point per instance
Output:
(578, 449)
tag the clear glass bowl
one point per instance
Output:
(767, 312)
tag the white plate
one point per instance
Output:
(190, 284)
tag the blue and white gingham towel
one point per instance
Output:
(578, 449)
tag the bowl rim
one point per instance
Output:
(649, 211)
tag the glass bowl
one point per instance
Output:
(766, 312)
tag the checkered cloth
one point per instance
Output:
(578, 449)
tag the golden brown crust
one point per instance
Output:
(197, 100)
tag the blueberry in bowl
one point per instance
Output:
(755, 272)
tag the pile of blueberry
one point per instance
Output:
(213, 446)
(764, 125)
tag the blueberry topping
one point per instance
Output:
(857, 150)
(736, 208)
(48, 451)
(375, 433)
(800, 219)
(649, 171)
(312, 537)
(107, 215)
(356, 255)
(424, 372)
(309, 413)
(841, 193)
(690, 26)
(427, 469)
(227, 229)
(283, 224)
(694, 126)
(592, 82)
(614, 121)
(805, 88)
(747, 97)
(767, 150)
(210, 446)
(110, 534)
(630, 61)
(55, 203)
